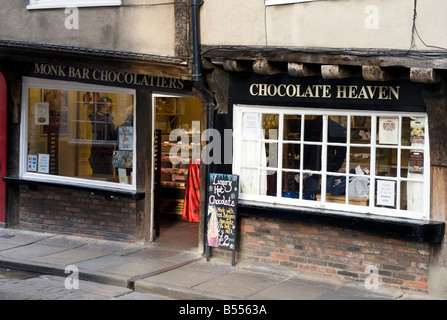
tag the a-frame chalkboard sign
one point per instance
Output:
(221, 217)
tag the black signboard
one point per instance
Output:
(349, 93)
(222, 212)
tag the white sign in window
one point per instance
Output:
(49, 4)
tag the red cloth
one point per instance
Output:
(192, 194)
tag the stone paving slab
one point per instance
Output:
(238, 284)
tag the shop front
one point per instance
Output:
(334, 176)
(86, 149)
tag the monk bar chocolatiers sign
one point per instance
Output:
(318, 92)
(108, 77)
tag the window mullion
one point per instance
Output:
(324, 157)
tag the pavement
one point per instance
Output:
(175, 270)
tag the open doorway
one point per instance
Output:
(176, 171)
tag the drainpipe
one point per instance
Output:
(210, 102)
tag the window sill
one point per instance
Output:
(405, 229)
(97, 191)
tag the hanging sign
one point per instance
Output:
(222, 212)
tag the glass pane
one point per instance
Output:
(80, 134)
(292, 127)
(313, 128)
(361, 129)
(290, 185)
(386, 162)
(360, 157)
(291, 156)
(250, 154)
(251, 182)
(337, 129)
(311, 187)
(270, 176)
(336, 189)
(413, 131)
(312, 157)
(270, 124)
(271, 153)
(412, 196)
(336, 156)
(358, 190)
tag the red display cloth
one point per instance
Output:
(192, 194)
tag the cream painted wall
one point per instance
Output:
(143, 29)
(325, 23)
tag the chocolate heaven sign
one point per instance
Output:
(222, 211)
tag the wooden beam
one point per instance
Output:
(338, 72)
(424, 75)
(303, 70)
(266, 67)
(375, 73)
(237, 66)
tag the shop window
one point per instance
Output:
(48, 4)
(363, 162)
(73, 131)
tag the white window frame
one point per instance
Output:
(278, 2)
(291, 203)
(28, 83)
(50, 4)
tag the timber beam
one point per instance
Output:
(425, 75)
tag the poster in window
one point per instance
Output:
(416, 162)
(125, 138)
(251, 126)
(32, 162)
(122, 159)
(41, 113)
(388, 130)
(386, 191)
(44, 163)
(417, 131)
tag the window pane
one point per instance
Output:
(413, 131)
(291, 156)
(412, 196)
(271, 153)
(336, 189)
(386, 162)
(292, 127)
(337, 129)
(361, 129)
(313, 128)
(360, 157)
(270, 124)
(290, 184)
(81, 134)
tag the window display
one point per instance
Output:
(371, 163)
(78, 132)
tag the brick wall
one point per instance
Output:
(335, 252)
(58, 210)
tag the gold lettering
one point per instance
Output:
(252, 91)
(326, 91)
(341, 92)
(352, 92)
(383, 93)
(362, 94)
(395, 92)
